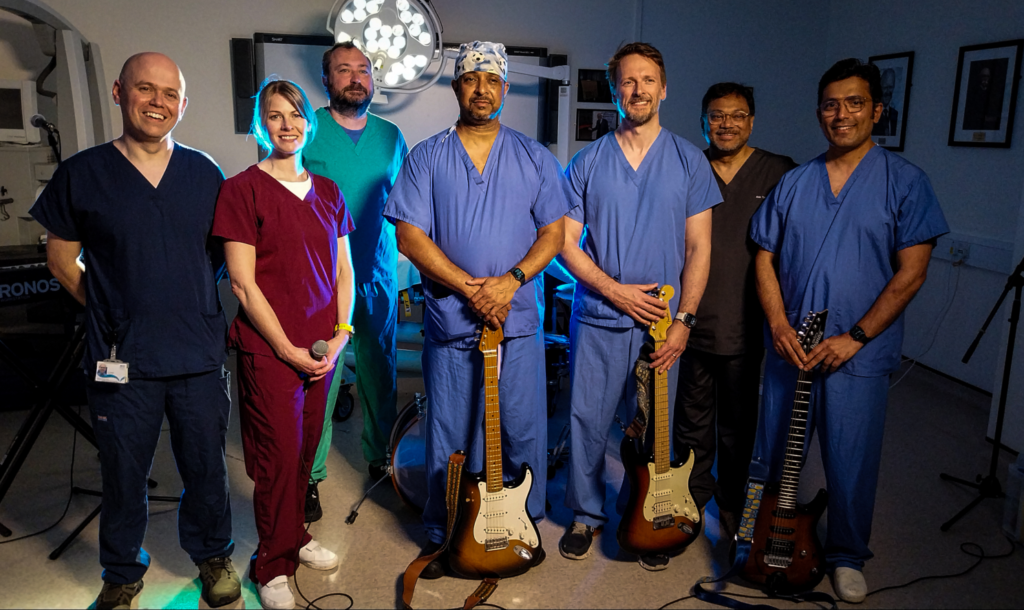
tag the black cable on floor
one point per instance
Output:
(71, 493)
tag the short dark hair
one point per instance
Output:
(720, 90)
(848, 68)
(634, 48)
(325, 63)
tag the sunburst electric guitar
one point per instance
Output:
(494, 535)
(777, 539)
(661, 516)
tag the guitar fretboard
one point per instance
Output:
(790, 483)
(492, 422)
(662, 437)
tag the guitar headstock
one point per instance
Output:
(490, 339)
(812, 329)
(659, 329)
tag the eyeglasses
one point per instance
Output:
(716, 117)
(853, 104)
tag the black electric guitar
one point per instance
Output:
(661, 516)
(778, 535)
(494, 535)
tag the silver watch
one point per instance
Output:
(688, 319)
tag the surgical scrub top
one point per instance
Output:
(840, 252)
(149, 280)
(365, 172)
(635, 220)
(484, 223)
(296, 243)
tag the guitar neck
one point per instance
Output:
(492, 422)
(790, 482)
(662, 438)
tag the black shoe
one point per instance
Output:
(313, 510)
(221, 584)
(378, 472)
(434, 569)
(577, 541)
(655, 562)
(114, 597)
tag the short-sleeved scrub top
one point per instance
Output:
(484, 223)
(839, 252)
(635, 220)
(149, 279)
(296, 243)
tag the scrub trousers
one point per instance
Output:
(127, 420)
(716, 413)
(453, 373)
(601, 377)
(282, 416)
(375, 318)
(848, 413)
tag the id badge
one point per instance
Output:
(112, 370)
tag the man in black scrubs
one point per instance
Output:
(720, 370)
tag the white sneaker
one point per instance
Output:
(849, 585)
(276, 594)
(317, 557)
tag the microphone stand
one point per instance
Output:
(988, 485)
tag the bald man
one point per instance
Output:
(139, 209)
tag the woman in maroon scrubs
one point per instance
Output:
(284, 232)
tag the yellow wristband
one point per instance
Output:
(345, 327)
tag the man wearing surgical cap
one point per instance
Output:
(478, 209)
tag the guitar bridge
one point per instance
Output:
(663, 521)
(496, 544)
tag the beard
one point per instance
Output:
(351, 101)
(728, 147)
(638, 118)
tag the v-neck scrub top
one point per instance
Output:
(149, 280)
(635, 220)
(296, 243)
(484, 223)
(839, 252)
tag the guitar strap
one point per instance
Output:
(642, 371)
(451, 498)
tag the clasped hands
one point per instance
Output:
(491, 297)
(300, 359)
(831, 353)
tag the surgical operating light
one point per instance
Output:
(401, 37)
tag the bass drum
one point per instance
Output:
(409, 454)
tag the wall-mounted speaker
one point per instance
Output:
(243, 82)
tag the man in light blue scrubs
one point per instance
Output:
(852, 232)
(644, 197)
(478, 209)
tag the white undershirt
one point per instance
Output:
(299, 188)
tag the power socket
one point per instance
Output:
(959, 252)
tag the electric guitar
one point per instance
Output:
(661, 516)
(494, 535)
(777, 534)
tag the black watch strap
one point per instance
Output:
(519, 275)
(858, 334)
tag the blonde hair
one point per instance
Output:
(289, 91)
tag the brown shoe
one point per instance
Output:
(221, 584)
(119, 597)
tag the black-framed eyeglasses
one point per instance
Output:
(715, 117)
(853, 105)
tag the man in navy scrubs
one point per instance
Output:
(850, 231)
(140, 209)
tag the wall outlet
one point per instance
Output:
(959, 251)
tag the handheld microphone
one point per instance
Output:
(319, 350)
(40, 121)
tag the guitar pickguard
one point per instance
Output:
(668, 495)
(503, 519)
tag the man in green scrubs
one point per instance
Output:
(362, 153)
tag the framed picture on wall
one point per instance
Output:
(891, 130)
(592, 86)
(985, 94)
(592, 124)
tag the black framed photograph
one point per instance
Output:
(985, 95)
(896, 69)
(592, 86)
(592, 124)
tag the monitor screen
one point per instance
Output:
(10, 109)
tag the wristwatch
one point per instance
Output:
(688, 319)
(857, 333)
(519, 275)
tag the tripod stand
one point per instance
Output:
(988, 485)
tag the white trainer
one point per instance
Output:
(317, 557)
(276, 594)
(849, 585)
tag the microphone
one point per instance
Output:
(319, 350)
(40, 121)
